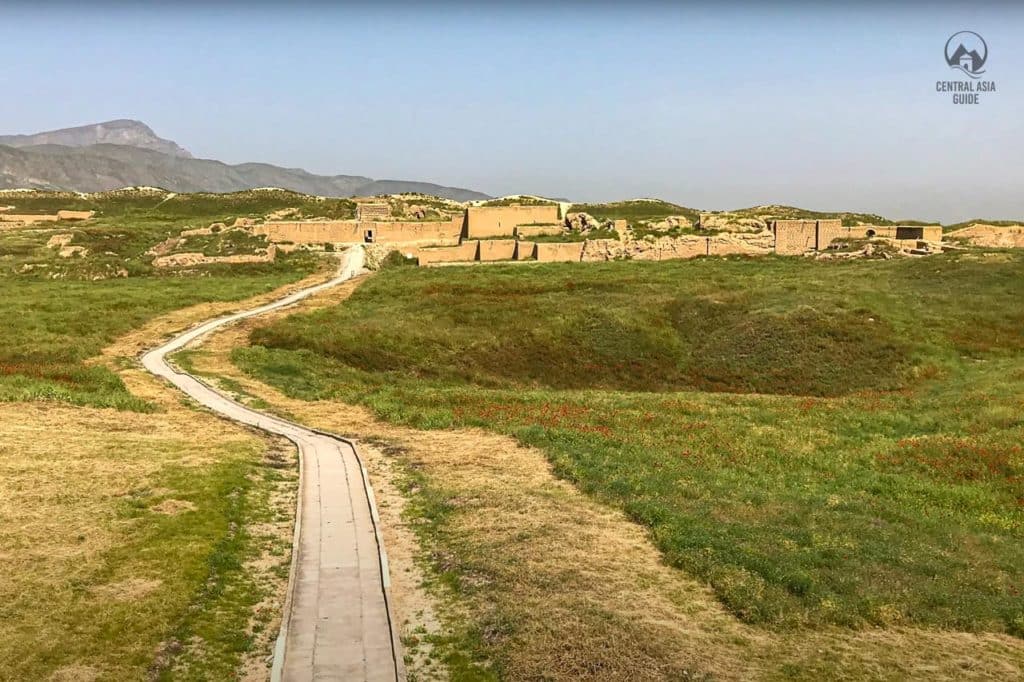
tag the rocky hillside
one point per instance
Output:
(116, 154)
(122, 132)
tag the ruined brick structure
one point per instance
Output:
(398, 232)
(466, 251)
(502, 221)
(373, 211)
(560, 252)
(796, 237)
(497, 249)
(497, 233)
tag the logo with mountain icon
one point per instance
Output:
(968, 52)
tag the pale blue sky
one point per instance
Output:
(710, 105)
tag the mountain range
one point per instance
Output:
(127, 153)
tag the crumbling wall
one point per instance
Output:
(795, 237)
(828, 231)
(412, 233)
(311, 232)
(539, 230)
(373, 210)
(27, 219)
(466, 251)
(75, 215)
(178, 260)
(501, 221)
(667, 248)
(992, 236)
(674, 248)
(497, 249)
(423, 233)
(559, 252)
(743, 244)
(602, 250)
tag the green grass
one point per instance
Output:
(167, 206)
(53, 328)
(644, 229)
(875, 477)
(573, 236)
(59, 312)
(520, 201)
(203, 594)
(226, 243)
(636, 210)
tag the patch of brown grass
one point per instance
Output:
(66, 474)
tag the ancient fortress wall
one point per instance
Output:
(178, 260)
(526, 250)
(497, 249)
(418, 232)
(75, 215)
(334, 231)
(27, 219)
(828, 231)
(466, 251)
(357, 232)
(559, 252)
(795, 237)
(47, 218)
(501, 221)
(739, 244)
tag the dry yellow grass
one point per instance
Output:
(74, 605)
(569, 589)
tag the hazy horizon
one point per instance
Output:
(709, 106)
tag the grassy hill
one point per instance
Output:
(775, 212)
(151, 204)
(636, 210)
(850, 457)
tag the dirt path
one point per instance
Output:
(337, 623)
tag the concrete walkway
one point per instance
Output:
(337, 624)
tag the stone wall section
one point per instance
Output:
(502, 221)
(559, 252)
(497, 249)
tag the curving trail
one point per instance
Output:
(337, 624)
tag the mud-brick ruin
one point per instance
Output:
(20, 220)
(550, 233)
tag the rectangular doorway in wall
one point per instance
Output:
(368, 236)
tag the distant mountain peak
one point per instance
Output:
(122, 131)
(127, 153)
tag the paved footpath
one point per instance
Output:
(337, 624)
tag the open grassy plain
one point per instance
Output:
(140, 538)
(833, 449)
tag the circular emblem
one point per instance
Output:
(967, 51)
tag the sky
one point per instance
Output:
(711, 105)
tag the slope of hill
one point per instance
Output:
(116, 154)
(121, 131)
